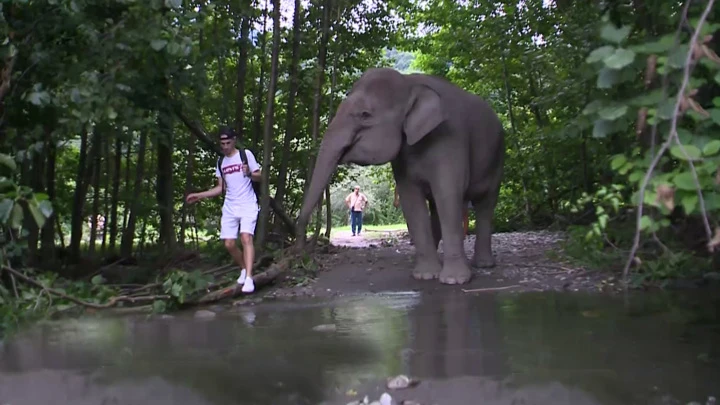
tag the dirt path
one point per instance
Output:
(373, 262)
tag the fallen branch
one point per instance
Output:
(111, 302)
(507, 287)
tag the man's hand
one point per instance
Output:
(192, 198)
(246, 169)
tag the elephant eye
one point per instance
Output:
(365, 114)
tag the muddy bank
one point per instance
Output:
(374, 263)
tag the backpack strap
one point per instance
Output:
(222, 175)
(243, 158)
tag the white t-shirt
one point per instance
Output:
(239, 194)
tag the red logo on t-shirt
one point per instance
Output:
(232, 169)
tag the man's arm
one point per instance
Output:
(213, 192)
(253, 166)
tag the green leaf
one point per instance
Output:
(711, 148)
(38, 98)
(612, 34)
(689, 202)
(717, 78)
(607, 78)
(662, 45)
(592, 107)
(715, 115)
(611, 113)
(666, 109)
(173, 3)
(620, 58)
(636, 176)
(6, 206)
(678, 56)
(684, 181)
(8, 161)
(645, 222)
(601, 128)
(46, 208)
(111, 113)
(618, 161)
(16, 217)
(599, 54)
(158, 44)
(97, 279)
(692, 151)
(36, 214)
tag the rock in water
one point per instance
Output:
(325, 328)
(385, 399)
(400, 382)
(204, 314)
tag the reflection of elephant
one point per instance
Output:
(446, 147)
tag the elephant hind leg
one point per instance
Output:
(484, 209)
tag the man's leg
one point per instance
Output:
(247, 230)
(353, 221)
(359, 221)
(228, 232)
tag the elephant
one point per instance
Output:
(446, 147)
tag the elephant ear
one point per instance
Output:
(424, 114)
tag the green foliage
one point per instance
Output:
(679, 143)
(181, 284)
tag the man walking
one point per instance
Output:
(240, 209)
(357, 202)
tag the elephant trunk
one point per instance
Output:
(325, 166)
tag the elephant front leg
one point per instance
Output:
(456, 269)
(417, 216)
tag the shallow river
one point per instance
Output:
(539, 348)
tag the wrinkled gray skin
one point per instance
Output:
(446, 147)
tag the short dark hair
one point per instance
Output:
(226, 132)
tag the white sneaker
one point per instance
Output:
(241, 279)
(249, 285)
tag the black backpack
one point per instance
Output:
(243, 158)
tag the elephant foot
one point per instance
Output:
(483, 262)
(426, 270)
(455, 272)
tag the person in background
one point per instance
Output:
(466, 209)
(240, 209)
(356, 202)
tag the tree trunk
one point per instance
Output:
(164, 188)
(261, 80)
(282, 180)
(189, 169)
(128, 198)
(268, 133)
(48, 232)
(242, 72)
(126, 245)
(116, 191)
(81, 184)
(96, 170)
(317, 100)
(514, 130)
(106, 193)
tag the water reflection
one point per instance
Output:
(497, 349)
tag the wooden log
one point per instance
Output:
(260, 280)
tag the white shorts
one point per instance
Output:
(230, 223)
